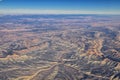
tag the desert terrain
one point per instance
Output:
(59, 47)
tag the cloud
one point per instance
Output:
(37, 11)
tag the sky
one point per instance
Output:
(59, 6)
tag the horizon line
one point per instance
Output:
(57, 12)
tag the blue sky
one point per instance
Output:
(60, 6)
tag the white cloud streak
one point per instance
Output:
(35, 11)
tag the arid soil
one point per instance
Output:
(59, 47)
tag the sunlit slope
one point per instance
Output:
(59, 47)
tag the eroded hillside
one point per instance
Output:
(59, 47)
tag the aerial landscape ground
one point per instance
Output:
(59, 47)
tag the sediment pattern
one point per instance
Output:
(59, 47)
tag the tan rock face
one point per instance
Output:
(59, 48)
